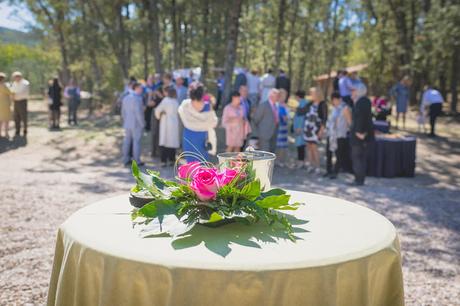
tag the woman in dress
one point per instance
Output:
(5, 105)
(298, 125)
(199, 119)
(55, 96)
(154, 101)
(282, 138)
(400, 92)
(314, 128)
(169, 140)
(235, 123)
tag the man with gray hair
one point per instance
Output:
(362, 132)
(266, 119)
(20, 90)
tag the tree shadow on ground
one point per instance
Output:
(12, 144)
(220, 240)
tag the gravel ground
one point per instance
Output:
(48, 177)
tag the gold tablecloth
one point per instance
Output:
(345, 255)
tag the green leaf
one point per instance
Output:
(292, 206)
(214, 217)
(274, 201)
(135, 169)
(157, 208)
(251, 191)
(273, 192)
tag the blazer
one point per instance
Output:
(362, 121)
(264, 121)
(283, 82)
(132, 112)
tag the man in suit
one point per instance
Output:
(266, 121)
(132, 113)
(362, 132)
(282, 81)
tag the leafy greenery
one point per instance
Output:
(244, 204)
(102, 42)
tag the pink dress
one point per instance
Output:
(236, 126)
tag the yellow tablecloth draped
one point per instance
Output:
(345, 255)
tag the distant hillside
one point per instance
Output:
(18, 37)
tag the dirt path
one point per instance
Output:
(48, 177)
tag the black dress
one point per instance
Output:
(54, 92)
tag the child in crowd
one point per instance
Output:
(298, 126)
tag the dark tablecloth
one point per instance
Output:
(381, 126)
(391, 157)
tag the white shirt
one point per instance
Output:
(431, 96)
(268, 81)
(253, 83)
(20, 90)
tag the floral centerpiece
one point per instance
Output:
(207, 195)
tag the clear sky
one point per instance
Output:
(15, 17)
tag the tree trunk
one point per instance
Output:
(292, 35)
(454, 79)
(154, 25)
(204, 59)
(331, 54)
(145, 45)
(64, 55)
(176, 47)
(279, 34)
(232, 45)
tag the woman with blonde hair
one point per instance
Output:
(169, 138)
(315, 122)
(5, 105)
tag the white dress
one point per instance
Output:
(166, 112)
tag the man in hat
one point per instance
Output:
(20, 90)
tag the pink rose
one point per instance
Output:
(226, 176)
(186, 171)
(205, 183)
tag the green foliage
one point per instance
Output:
(106, 41)
(36, 64)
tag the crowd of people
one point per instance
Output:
(181, 116)
(16, 94)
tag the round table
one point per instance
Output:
(392, 156)
(345, 254)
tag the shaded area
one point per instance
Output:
(12, 144)
(219, 240)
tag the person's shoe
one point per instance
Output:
(128, 164)
(327, 174)
(141, 164)
(333, 176)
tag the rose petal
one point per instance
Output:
(186, 171)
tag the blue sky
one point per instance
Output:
(15, 17)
